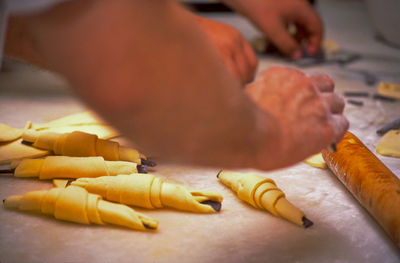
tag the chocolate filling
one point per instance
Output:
(7, 171)
(27, 143)
(148, 227)
(219, 173)
(69, 182)
(148, 162)
(214, 204)
(142, 168)
(306, 222)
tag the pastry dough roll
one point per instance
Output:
(263, 193)
(148, 191)
(71, 167)
(81, 144)
(370, 182)
(75, 204)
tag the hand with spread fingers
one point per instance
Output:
(307, 112)
(232, 47)
(273, 18)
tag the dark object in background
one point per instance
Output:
(340, 58)
(390, 126)
(385, 98)
(356, 94)
(216, 7)
(356, 102)
(309, 59)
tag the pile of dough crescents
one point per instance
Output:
(97, 180)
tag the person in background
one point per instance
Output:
(159, 75)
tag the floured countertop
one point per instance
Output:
(343, 231)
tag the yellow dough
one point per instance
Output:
(263, 193)
(316, 161)
(15, 150)
(389, 145)
(77, 205)
(81, 144)
(389, 89)
(11, 147)
(70, 167)
(8, 133)
(146, 190)
(83, 121)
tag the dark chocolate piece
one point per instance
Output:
(7, 171)
(148, 227)
(385, 98)
(148, 162)
(214, 204)
(393, 125)
(142, 169)
(356, 94)
(306, 222)
(27, 143)
(69, 182)
(219, 173)
(356, 102)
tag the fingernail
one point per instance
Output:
(296, 55)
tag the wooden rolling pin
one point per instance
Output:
(370, 182)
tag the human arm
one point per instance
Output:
(232, 47)
(19, 44)
(273, 17)
(134, 63)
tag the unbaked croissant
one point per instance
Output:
(146, 190)
(77, 205)
(263, 193)
(71, 167)
(81, 144)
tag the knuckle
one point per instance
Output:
(340, 100)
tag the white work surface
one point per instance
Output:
(342, 232)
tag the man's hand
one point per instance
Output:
(307, 112)
(273, 17)
(233, 48)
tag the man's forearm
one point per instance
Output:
(146, 67)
